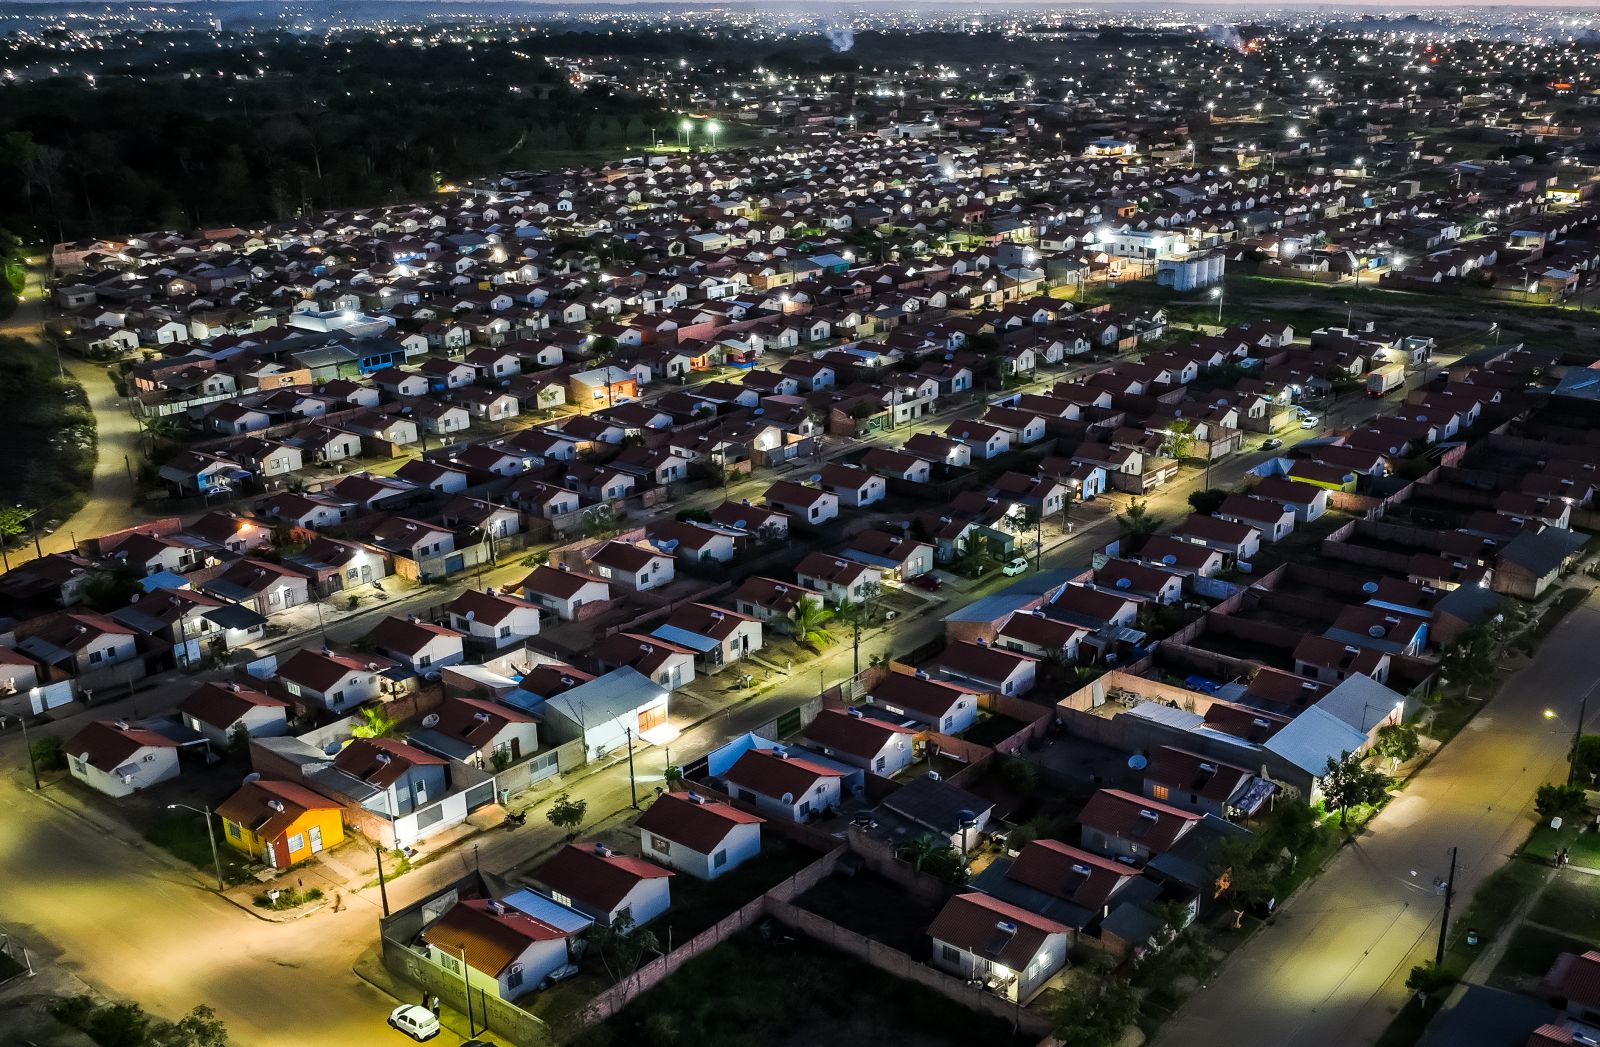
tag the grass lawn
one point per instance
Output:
(1529, 954)
(183, 833)
(792, 992)
(1572, 903)
(873, 907)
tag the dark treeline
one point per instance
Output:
(325, 126)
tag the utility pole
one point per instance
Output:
(466, 986)
(633, 788)
(1444, 922)
(32, 765)
(1577, 739)
(383, 888)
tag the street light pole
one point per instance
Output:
(1444, 922)
(633, 788)
(32, 765)
(211, 837)
(383, 888)
(1577, 739)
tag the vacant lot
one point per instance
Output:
(777, 990)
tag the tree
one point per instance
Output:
(622, 945)
(109, 590)
(1208, 501)
(672, 775)
(1559, 801)
(1138, 519)
(858, 614)
(49, 753)
(1347, 783)
(1178, 438)
(1398, 743)
(373, 723)
(810, 616)
(1096, 1012)
(567, 813)
(1427, 978)
(923, 850)
(1244, 868)
(1020, 776)
(1587, 760)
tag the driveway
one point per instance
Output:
(1330, 969)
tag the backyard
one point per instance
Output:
(775, 989)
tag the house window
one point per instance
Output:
(561, 899)
(659, 845)
(449, 963)
(424, 661)
(233, 829)
(337, 697)
(805, 808)
(94, 657)
(719, 859)
(79, 767)
(505, 630)
(949, 953)
(1159, 792)
(514, 977)
(297, 842)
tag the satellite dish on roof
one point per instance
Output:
(1124, 583)
(1169, 559)
(1375, 631)
(1137, 762)
(253, 776)
(431, 720)
(1369, 587)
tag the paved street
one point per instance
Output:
(1330, 970)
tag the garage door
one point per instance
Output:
(652, 718)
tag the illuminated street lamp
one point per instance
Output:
(712, 127)
(1216, 292)
(685, 129)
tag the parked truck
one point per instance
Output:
(1381, 379)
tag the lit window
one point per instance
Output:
(1159, 792)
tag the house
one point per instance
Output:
(478, 732)
(717, 635)
(1238, 541)
(1201, 783)
(898, 557)
(768, 600)
(391, 778)
(783, 784)
(607, 713)
(1009, 950)
(420, 646)
(632, 568)
(990, 668)
(337, 681)
(840, 581)
(694, 835)
(810, 505)
(854, 738)
(280, 824)
(1059, 882)
(493, 619)
(948, 708)
(267, 588)
(565, 593)
(602, 387)
(1034, 634)
(696, 541)
(666, 663)
(120, 758)
(509, 946)
(605, 885)
(1274, 520)
(1574, 980)
(1121, 825)
(79, 642)
(221, 711)
(853, 486)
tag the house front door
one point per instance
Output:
(315, 836)
(652, 718)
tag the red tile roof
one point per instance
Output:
(595, 879)
(990, 928)
(491, 935)
(764, 772)
(693, 821)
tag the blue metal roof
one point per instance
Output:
(547, 910)
(684, 638)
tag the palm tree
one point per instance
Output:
(374, 724)
(809, 618)
(923, 850)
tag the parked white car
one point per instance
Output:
(415, 1021)
(1015, 566)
